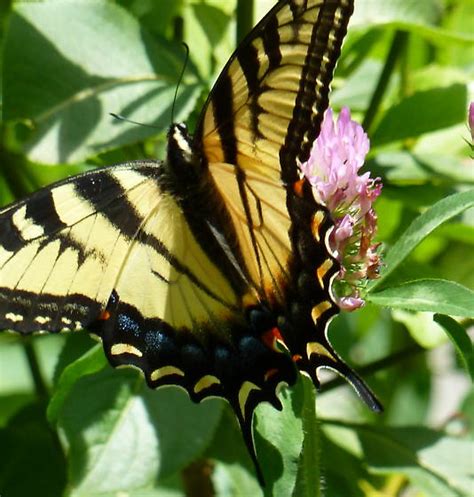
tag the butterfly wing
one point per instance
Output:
(260, 121)
(112, 251)
(259, 124)
(121, 253)
(65, 249)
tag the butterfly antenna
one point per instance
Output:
(122, 118)
(186, 48)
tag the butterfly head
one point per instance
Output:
(179, 144)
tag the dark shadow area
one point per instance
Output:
(31, 458)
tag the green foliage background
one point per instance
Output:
(70, 425)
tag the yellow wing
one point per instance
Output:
(260, 121)
(67, 247)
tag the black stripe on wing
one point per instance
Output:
(313, 94)
(38, 211)
(46, 242)
(98, 190)
(28, 312)
(41, 211)
(224, 115)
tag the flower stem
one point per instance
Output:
(396, 49)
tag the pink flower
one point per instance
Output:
(332, 169)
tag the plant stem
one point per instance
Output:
(375, 366)
(396, 49)
(309, 478)
(245, 13)
(40, 385)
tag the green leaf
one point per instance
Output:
(207, 32)
(438, 464)
(233, 473)
(308, 482)
(339, 483)
(88, 59)
(402, 167)
(420, 18)
(288, 445)
(421, 227)
(457, 232)
(431, 295)
(422, 112)
(460, 339)
(92, 361)
(279, 441)
(419, 13)
(421, 327)
(121, 436)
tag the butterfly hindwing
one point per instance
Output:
(62, 248)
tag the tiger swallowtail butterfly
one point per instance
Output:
(211, 269)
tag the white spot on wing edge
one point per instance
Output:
(165, 371)
(125, 348)
(244, 392)
(42, 319)
(206, 382)
(14, 318)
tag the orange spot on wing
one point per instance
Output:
(296, 358)
(104, 315)
(270, 373)
(271, 337)
(298, 187)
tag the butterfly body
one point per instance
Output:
(211, 270)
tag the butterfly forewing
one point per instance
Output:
(261, 119)
(65, 249)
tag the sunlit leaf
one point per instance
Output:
(422, 226)
(430, 295)
(460, 339)
(116, 68)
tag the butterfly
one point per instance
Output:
(209, 270)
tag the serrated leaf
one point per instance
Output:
(460, 339)
(430, 295)
(421, 227)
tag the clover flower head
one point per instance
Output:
(332, 169)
